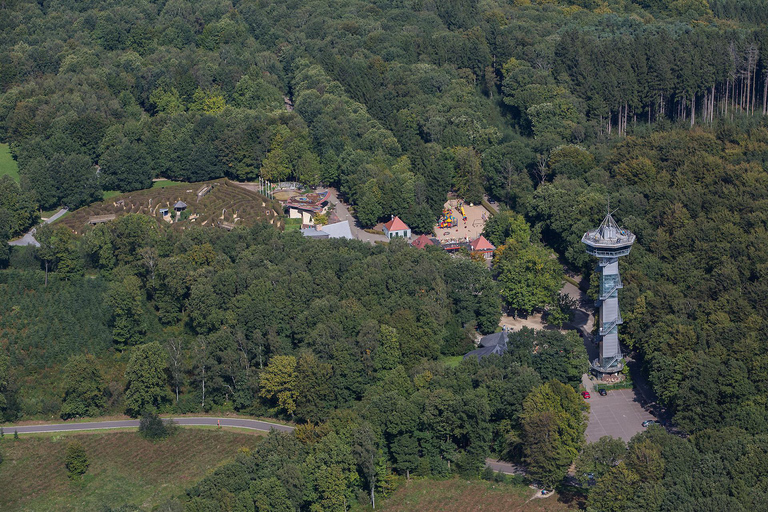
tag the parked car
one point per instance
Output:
(585, 394)
(602, 392)
(648, 423)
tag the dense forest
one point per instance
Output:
(341, 337)
(551, 108)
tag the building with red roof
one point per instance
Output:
(396, 228)
(482, 245)
(421, 242)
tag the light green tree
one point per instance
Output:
(553, 424)
(507, 225)
(167, 101)
(599, 458)
(528, 274)
(614, 491)
(147, 387)
(387, 355)
(278, 381)
(276, 165)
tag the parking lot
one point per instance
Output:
(618, 414)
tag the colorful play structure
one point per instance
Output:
(447, 220)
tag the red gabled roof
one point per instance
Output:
(421, 242)
(396, 225)
(481, 244)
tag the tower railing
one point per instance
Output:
(607, 294)
(609, 328)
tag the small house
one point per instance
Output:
(396, 228)
(483, 246)
(314, 232)
(180, 206)
(100, 219)
(422, 241)
(163, 212)
(495, 343)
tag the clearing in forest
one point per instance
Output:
(7, 164)
(218, 203)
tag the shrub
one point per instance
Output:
(76, 460)
(152, 427)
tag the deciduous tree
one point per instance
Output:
(147, 388)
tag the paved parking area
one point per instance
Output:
(618, 414)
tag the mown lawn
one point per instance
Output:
(7, 163)
(125, 469)
(109, 194)
(459, 495)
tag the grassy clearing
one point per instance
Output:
(109, 194)
(292, 224)
(125, 469)
(457, 495)
(451, 361)
(168, 183)
(8, 164)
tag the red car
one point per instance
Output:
(585, 394)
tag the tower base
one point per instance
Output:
(603, 371)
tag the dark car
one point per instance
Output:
(602, 392)
(648, 423)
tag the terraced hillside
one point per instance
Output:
(218, 203)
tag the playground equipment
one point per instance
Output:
(447, 222)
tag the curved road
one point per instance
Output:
(98, 425)
(29, 236)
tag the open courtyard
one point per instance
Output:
(463, 231)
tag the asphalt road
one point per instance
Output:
(99, 425)
(505, 467)
(29, 236)
(342, 212)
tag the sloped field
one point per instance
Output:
(226, 204)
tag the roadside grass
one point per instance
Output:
(124, 468)
(46, 420)
(459, 495)
(7, 164)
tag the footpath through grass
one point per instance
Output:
(8, 164)
(124, 468)
(459, 495)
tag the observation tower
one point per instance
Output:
(608, 243)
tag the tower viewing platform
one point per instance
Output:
(608, 243)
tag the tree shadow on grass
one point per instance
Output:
(572, 496)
